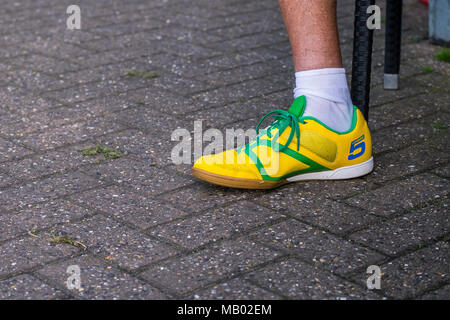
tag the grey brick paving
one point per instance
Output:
(69, 134)
(20, 102)
(410, 231)
(150, 230)
(141, 175)
(126, 205)
(408, 133)
(213, 264)
(214, 225)
(443, 171)
(117, 243)
(236, 289)
(39, 165)
(317, 247)
(26, 287)
(40, 216)
(29, 252)
(100, 280)
(298, 280)
(31, 192)
(390, 199)
(437, 294)
(407, 161)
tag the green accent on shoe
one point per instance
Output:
(352, 126)
(297, 107)
(284, 119)
(313, 166)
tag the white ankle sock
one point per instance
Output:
(327, 96)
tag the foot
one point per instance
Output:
(292, 148)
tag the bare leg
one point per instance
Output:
(319, 75)
(313, 33)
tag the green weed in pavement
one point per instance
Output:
(108, 153)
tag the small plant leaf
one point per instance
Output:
(108, 153)
(141, 74)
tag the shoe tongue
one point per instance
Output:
(298, 106)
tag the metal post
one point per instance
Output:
(362, 57)
(393, 43)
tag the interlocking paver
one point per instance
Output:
(26, 287)
(86, 91)
(187, 50)
(69, 134)
(40, 216)
(19, 196)
(10, 150)
(411, 231)
(18, 101)
(301, 281)
(403, 195)
(30, 252)
(54, 47)
(443, 171)
(221, 117)
(247, 29)
(210, 265)
(182, 34)
(99, 280)
(310, 190)
(104, 72)
(11, 52)
(236, 289)
(200, 197)
(410, 88)
(438, 294)
(415, 273)
(214, 225)
(5, 180)
(245, 90)
(118, 55)
(174, 83)
(316, 246)
(317, 209)
(252, 41)
(140, 175)
(407, 161)
(409, 133)
(33, 80)
(404, 110)
(56, 117)
(164, 101)
(153, 150)
(127, 28)
(44, 64)
(35, 166)
(117, 243)
(435, 81)
(158, 124)
(128, 206)
(246, 72)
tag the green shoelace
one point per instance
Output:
(283, 119)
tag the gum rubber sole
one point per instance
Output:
(236, 182)
(348, 172)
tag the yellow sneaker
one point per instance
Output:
(292, 148)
